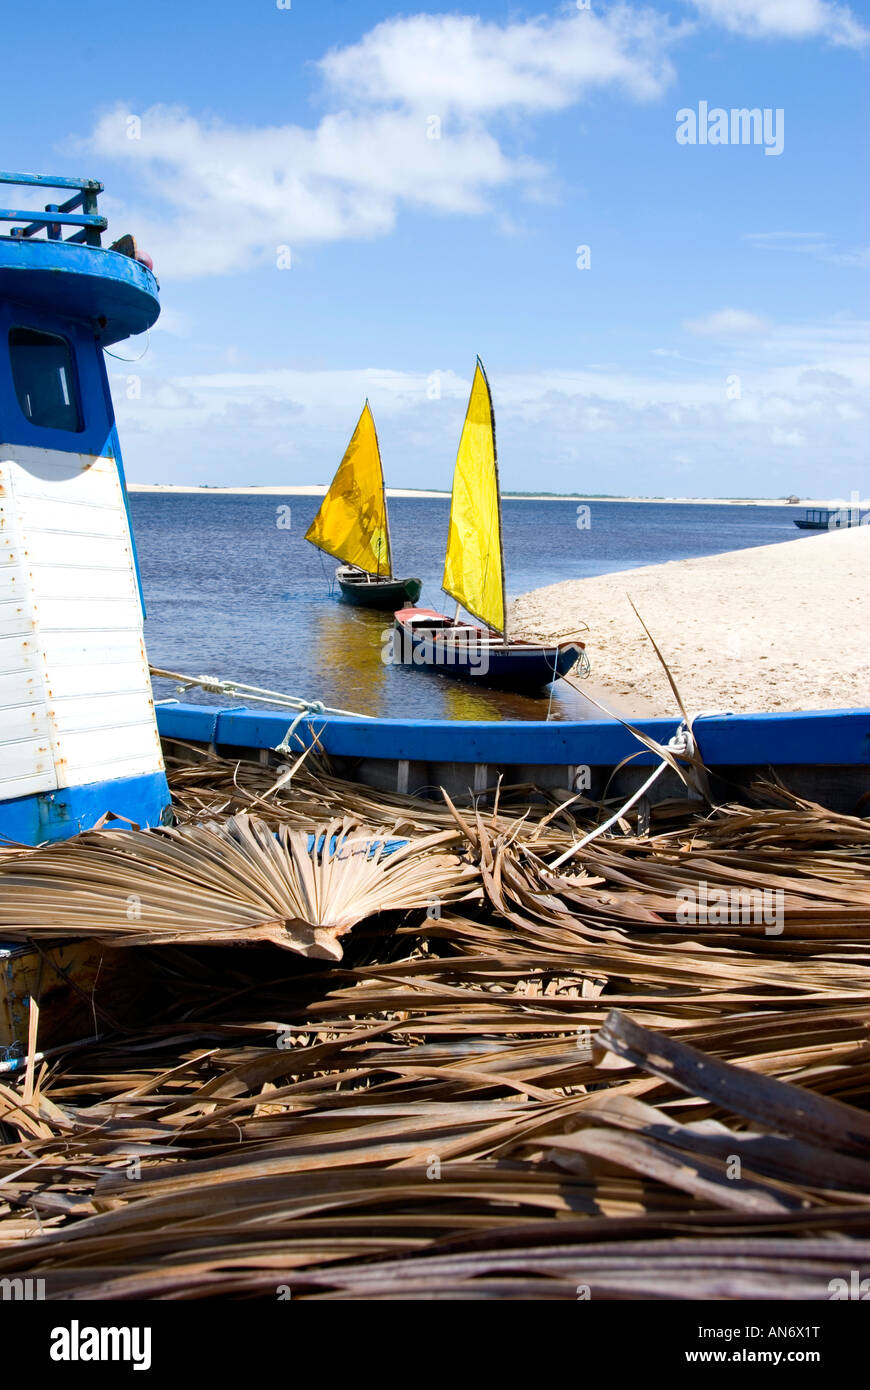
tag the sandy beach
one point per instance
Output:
(779, 627)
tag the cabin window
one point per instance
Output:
(43, 373)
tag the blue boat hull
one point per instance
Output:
(466, 652)
(506, 669)
(823, 754)
(68, 811)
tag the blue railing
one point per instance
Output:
(58, 215)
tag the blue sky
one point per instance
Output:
(717, 343)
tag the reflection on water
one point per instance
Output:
(351, 652)
(231, 594)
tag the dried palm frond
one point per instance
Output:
(577, 1066)
(808, 866)
(313, 1167)
(207, 786)
(787, 821)
(225, 884)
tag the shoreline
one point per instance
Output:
(769, 629)
(320, 489)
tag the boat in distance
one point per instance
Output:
(828, 518)
(454, 648)
(353, 526)
(474, 577)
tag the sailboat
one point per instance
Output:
(352, 525)
(474, 577)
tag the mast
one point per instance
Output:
(498, 496)
(386, 508)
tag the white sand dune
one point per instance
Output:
(267, 490)
(778, 627)
(319, 490)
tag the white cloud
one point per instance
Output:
(212, 198)
(460, 64)
(233, 196)
(728, 323)
(805, 242)
(215, 198)
(859, 258)
(786, 19)
(804, 389)
(814, 244)
(174, 322)
(793, 439)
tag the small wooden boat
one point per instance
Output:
(456, 648)
(352, 525)
(373, 591)
(474, 577)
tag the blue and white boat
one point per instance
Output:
(78, 735)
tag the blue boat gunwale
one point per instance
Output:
(822, 738)
(117, 296)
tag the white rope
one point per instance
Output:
(315, 707)
(581, 666)
(600, 829)
(213, 685)
(682, 744)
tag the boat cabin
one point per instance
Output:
(78, 735)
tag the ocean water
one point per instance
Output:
(230, 592)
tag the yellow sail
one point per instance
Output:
(473, 565)
(352, 521)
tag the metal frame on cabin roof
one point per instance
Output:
(74, 276)
(56, 216)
